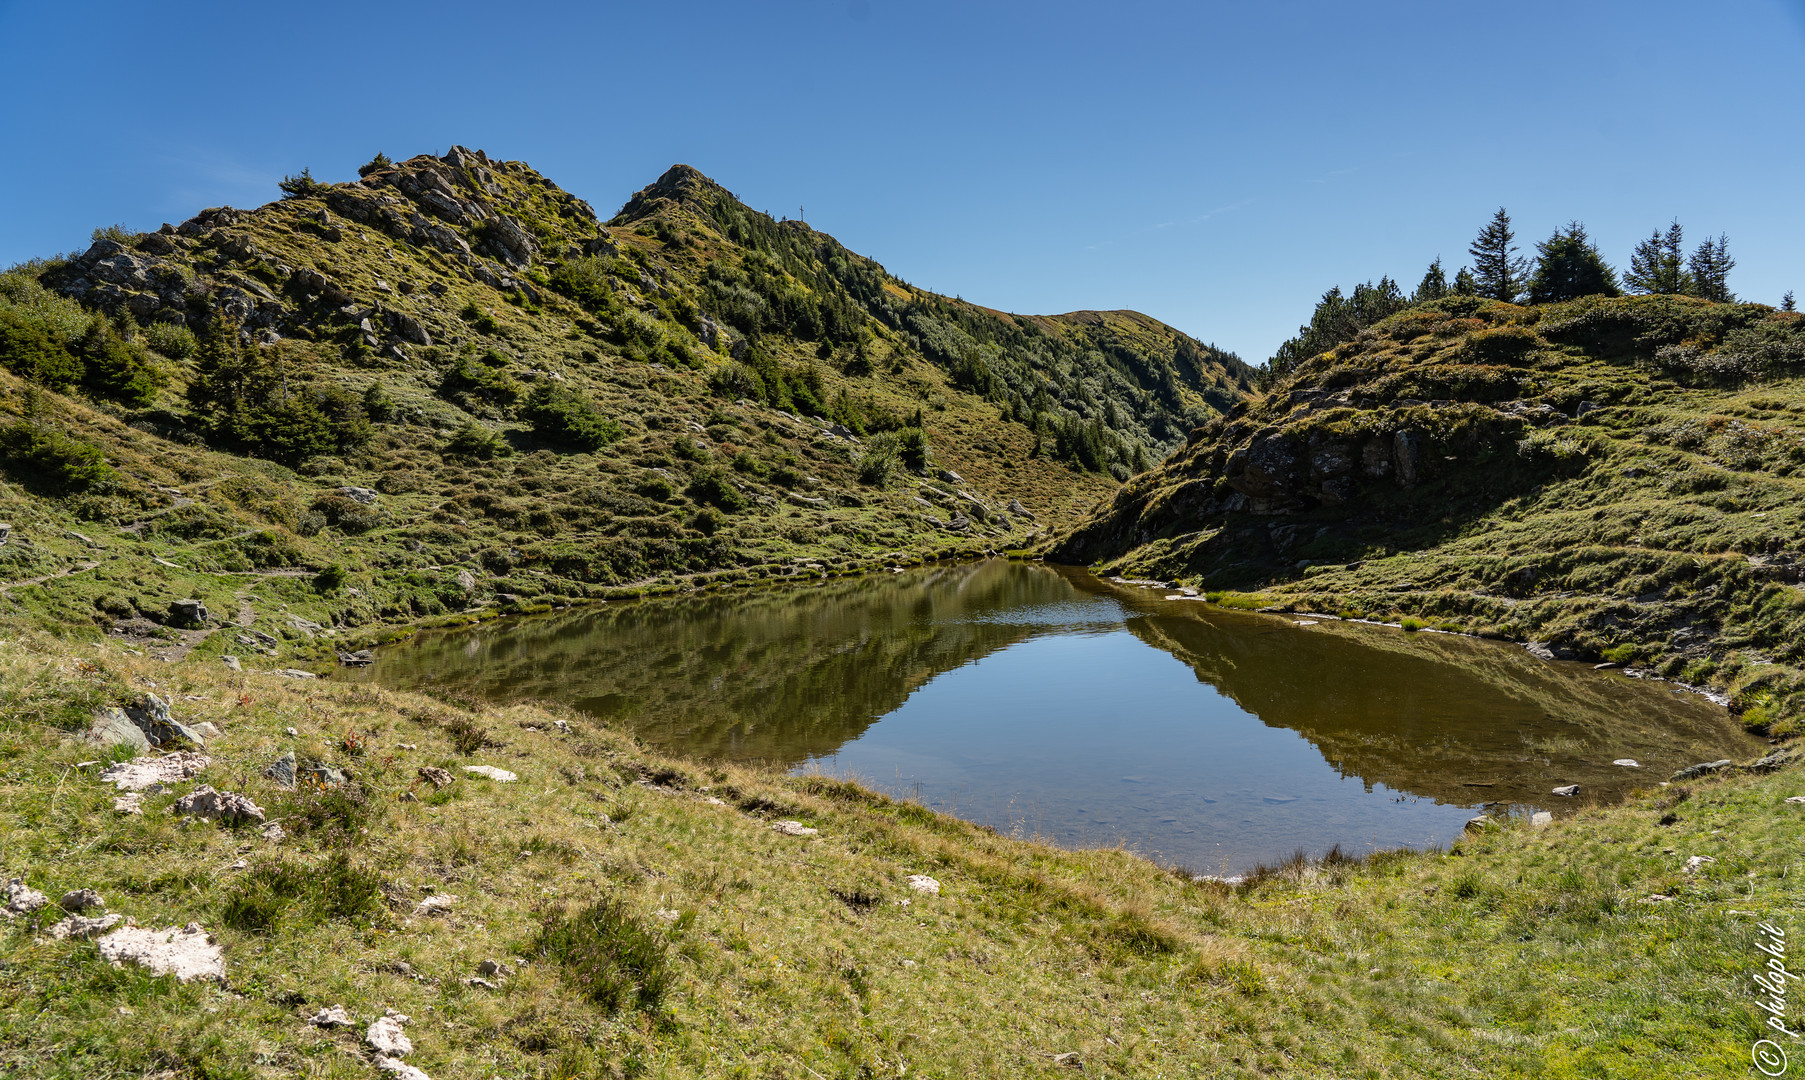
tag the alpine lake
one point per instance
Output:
(1048, 703)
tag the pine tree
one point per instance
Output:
(1434, 285)
(1787, 303)
(1465, 284)
(1498, 271)
(1569, 266)
(1709, 271)
(1657, 265)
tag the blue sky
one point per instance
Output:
(1216, 166)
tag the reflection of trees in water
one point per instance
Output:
(777, 675)
(1436, 715)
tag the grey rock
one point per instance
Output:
(227, 806)
(362, 495)
(131, 802)
(1567, 790)
(282, 770)
(334, 1017)
(436, 904)
(1770, 763)
(293, 673)
(187, 613)
(21, 899)
(231, 662)
(1703, 768)
(80, 900)
(1406, 456)
(1477, 824)
(141, 774)
(152, 717)
(111, 727)
(500, 776)
(466, 581)
(1541, 819)
(1016, 508)
(489, 969)
(359, 658)
(793, 828)
(318, 772)
(435, 776)
(951, 477)
(77, 926)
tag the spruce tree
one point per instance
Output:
(1434, 285)
(1709, 271)
(1787, 303)
(1498, 270)
(1658, 266)
(1569, 266)
(1465, 284)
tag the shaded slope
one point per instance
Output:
(1618, 478)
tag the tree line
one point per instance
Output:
(1568, 265)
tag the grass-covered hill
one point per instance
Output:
(647, 917)
(1617, 479)
(448, 386)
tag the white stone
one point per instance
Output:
(1796, 800)
(437, 904)
(1628, 763)
(924, 883)
(185, 952)
(142, 773)
(22, 899)
(330, 1018)
(129, 803)
(227, 806)
(1696, 862)
(401, 1070)
(500, 776)
(78, 926)
(1541, 819)
(794, 828)
(667, 915)
(386, 1037)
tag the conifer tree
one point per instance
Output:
(1657, 265)
(1498, 271)
(1787, 303)
(1465, 284)
(1569, 266)
(1434, 285)
(1708, 271)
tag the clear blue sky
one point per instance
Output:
(1214, 165)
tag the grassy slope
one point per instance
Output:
(1519, 953)
(546, 527)
(1619, 478)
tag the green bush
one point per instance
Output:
(612, 959)
(32, 351)
(116, 368)
(46, 459)
(655, 487)
(912, 448)
(267, 403)
(301, 186)
(565, 417)
(173, 340)
(473, 440)
(878, 460)
(480, 380)
(375, 165)
(275, 891)
(710, 485)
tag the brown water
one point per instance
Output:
(1049, 703)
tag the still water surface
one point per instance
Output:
(1046, 702)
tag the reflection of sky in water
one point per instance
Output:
(1098, 739)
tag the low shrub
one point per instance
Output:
(274, 892)
(564, 417)
(49, 461)
(608, 955)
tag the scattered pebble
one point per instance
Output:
(923, 883)
(794, 828)
(185, 952)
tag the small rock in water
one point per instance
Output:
(1541, 819)
(185, 952)
(794, 828)
(1703, 768)
(1567, 790)
(330, 1018)
(1628, 763)
(923, 883)
(500, 776)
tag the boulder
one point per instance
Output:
(80, 900)
(231, 662)
(1703, 768)
(21, 899)
(359, 658)
(111, 727)
(227, 806)
(143, 774)
(363, 495)
(152, 717)
(187, 613)
(1477, 824)
(1567, 790)
(467, 582)
(77, 926)
(282, 770)
(187, 953)
(1541, 819)
(923, 884)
